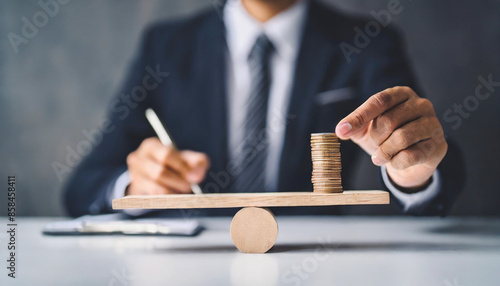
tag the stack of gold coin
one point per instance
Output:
(325, 154)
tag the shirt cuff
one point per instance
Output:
(118, 191)
(415, 200)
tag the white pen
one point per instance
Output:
(165, 139)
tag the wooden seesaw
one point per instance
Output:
(254, 228)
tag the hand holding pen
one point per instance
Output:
(157, 167)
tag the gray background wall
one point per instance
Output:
(60, 82)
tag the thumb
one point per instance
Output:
(344, 131)
(197, 163)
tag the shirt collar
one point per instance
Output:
(283, 30)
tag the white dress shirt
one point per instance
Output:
(284, 31)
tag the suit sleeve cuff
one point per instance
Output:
(118, 191)
(415, 200)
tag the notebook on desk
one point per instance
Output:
(120, 224)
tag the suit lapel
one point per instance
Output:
(212, 63)
(312, 63)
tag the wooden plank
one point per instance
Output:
(235, 200)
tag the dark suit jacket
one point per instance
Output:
(191, 101)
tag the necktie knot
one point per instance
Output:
(262, 49)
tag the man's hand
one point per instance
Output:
(401, 131)
(156, 169)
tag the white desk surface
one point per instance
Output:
(308, 251)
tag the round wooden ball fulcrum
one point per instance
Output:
(254, 230)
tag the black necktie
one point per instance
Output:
(252, 158)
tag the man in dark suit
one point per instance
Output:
(242, 88)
